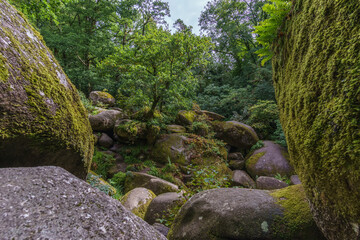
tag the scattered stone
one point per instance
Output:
(138, 200)
(51, 203)
(241, 178)
(102, 97)
(185, 118)
(236, 134)
(270, 183)
(295, 180)
(269, 160)
(43, 121)
(105, 121)
(175, 129)
(161, 205)
(105, 141)
(235, 213)
(155, 184)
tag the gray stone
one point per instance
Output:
(155, 184)
(50, 203)
(270, 183)
(269, 160)
(237, 164)
(105, 141)
(105, 121)
(164, 230)
(295, 179)
(161, 205)
(235, 213)
(241, 178)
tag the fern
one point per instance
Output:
(268, 29)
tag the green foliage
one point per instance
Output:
(101, 163)
(263, 116)
(269, 29)
(156, 69)
(285, 179)
(94, 181)
(258, 145)
(87, 103)
(205, 178)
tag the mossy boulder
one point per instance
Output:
(211, 116)
(104, 98)
(130, 131)
(175, 129)
(316, 76)
(164, 206)
(231, 213)
(42, 121)
(171, 146)
(155, 184)
(185, 118)
(270, 160)
(138, 201)
(236, 134)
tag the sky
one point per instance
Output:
(187, 10)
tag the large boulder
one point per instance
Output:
(138, 200)
(316, 77)
(42, 121)
(185, 118)
(99, 97)
(161, 206)
(173, 147)
(155, 184)
(270, 160)
(234, 213)
(50, 203)
(105, 121)
(236, 134)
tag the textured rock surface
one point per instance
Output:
(138, 200)
(231, 213)
(241, 178)
(155, 184)
(316, 77)
(185, 118)
(295, 179)
(42, 121)
(161, 205)
(50, 203)
(269, 161)
(270, 183)
(105, 141)
(171, 146)
(102, 97)
(105, 121)
(236, 134)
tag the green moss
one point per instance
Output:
(316, 76)
(297, 217)
(105, 95)
(251, 162)
(4, 73)
(48, 111)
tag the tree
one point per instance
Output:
(155, 70)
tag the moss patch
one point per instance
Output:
(4, 73)
(316, 76)
(251, 162)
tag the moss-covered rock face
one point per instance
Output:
(98, 97)
(42, 121)
(316, 77)
(138, 201)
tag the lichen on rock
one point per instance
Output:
(42, 121)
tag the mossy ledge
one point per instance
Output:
(316, 77)
(42, 121)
